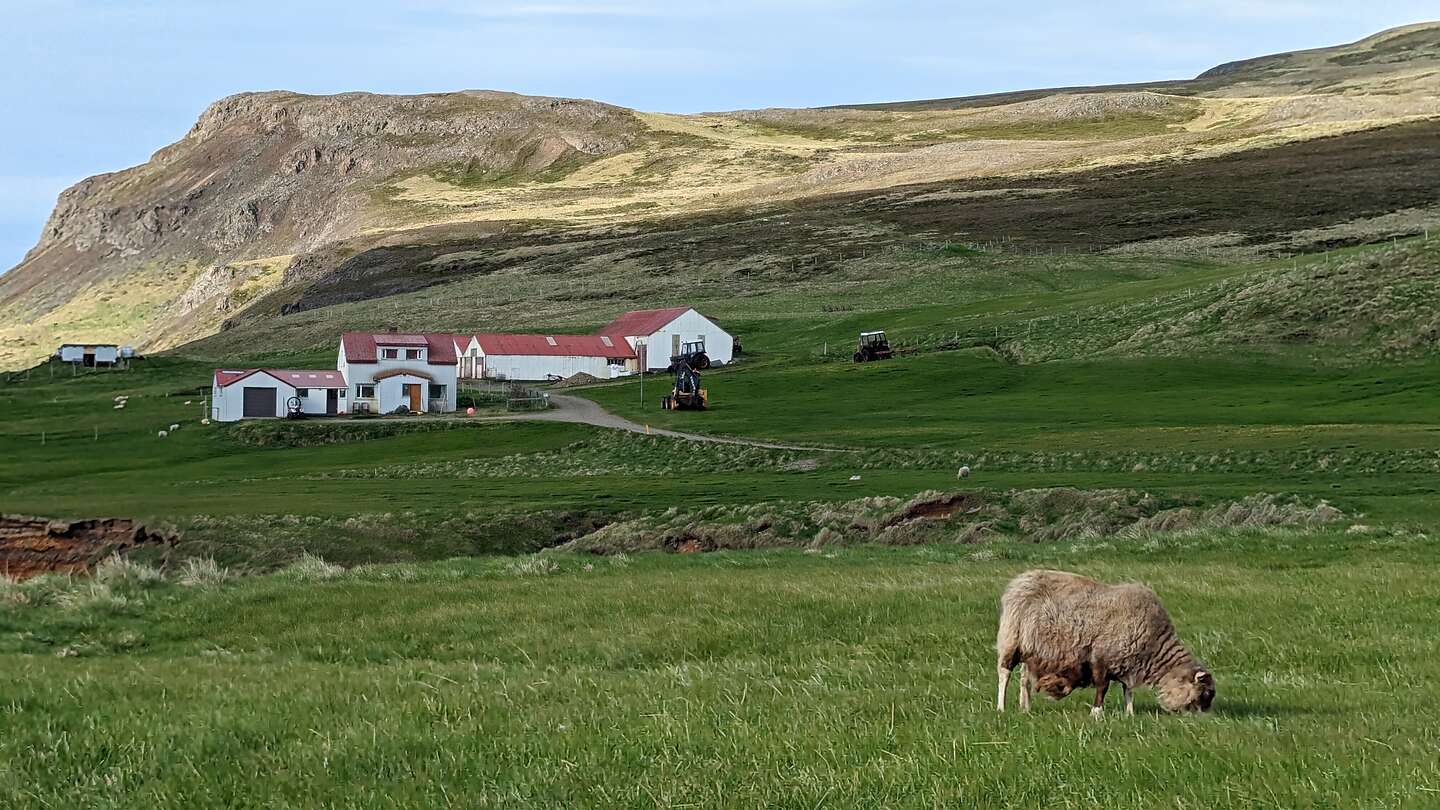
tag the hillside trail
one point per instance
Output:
(578, 409)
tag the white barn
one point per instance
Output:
(391, 370)
(543, 357)
(89, 354)
(259, 393)
(657, 334)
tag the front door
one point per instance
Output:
(332, 401)
(414, 397)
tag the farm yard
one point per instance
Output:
(451, 610)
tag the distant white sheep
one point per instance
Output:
(164, 433)
(174, 428)
(205, 421)
(964, 472)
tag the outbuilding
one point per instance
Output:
(261, 393)
(89, 355)
(399, 371)
(656, 335)
(545, 357)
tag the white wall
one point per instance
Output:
(690, 326)
(228, 404)
(76, 354)
(534, 368)
(388, 394)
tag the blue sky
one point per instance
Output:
(93, 86)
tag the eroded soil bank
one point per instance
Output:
(30, 546)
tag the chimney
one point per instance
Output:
(393, 329)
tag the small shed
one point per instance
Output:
(261, 393)
(89, 355)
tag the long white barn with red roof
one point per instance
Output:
(394, 371)
(543, 357)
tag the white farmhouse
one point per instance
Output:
(658, 334)
(257, 393)
(89, 355)
(388, 371)
(543, 357)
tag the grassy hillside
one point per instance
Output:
(280, 201)
(1256, 411)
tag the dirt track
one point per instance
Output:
(579, 409)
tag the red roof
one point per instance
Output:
(294, 377)
(555, 345)
(643, 322)
(360, 347)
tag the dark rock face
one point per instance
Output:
(30, 546)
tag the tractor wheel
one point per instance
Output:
(859, 357)
(702, 362)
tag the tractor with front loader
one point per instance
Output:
(687, 395)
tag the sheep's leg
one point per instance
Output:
(1027, 688)
(1102, 683)
(1129, 699)
(1006, 662)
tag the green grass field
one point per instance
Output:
(856, 677)
(846, 663)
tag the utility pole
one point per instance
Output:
(644, 357)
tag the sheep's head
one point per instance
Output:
(1186, 689)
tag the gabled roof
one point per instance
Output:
(643, 322)
(294, 377)
(362, 347)
(555, 345)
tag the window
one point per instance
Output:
(412, 354)
(302, 392)
(390, 354)
(342, 393)
(437, 391)
(365, 391)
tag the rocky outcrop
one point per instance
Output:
(30, 546)
(278, 173)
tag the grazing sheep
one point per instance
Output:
(174, 428)
(963, 472)
(162, 434)
(1066, 623)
